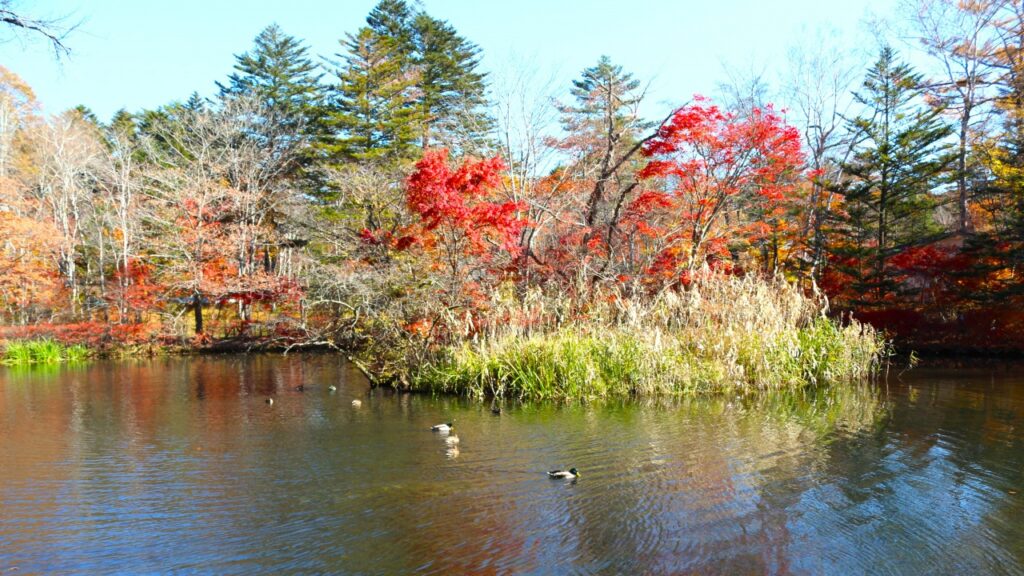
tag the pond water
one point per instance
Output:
(180, 465)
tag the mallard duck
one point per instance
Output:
(357, 403)
(446, 427)
(332, 388)
(564, 474)
(452, 440)
(270, 400)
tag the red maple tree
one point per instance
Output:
(720, 178)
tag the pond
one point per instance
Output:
(180, 464)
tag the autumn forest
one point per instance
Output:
(391, 201)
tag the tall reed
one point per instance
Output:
(722, 334)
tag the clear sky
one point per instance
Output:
(140, 54)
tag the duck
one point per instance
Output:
(496, 410)
(452, 440)
(446, 427)
(299, 388)
(270, 401)
(357, 403)
(569, 474)
(332, 388)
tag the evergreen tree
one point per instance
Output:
(891, 181)
(452, 91)
(194, 104)
(124, 122)
(394, 19)
(86, 114)
(280, 75)
(374, 112)
(604, 126)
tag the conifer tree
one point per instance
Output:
(450, 91)
(374, 113)
(891, 181)
(604, 126)
(279, 74)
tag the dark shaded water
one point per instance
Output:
(180, 465)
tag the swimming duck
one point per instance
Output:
(332, 388)
(446, 427)
(299, 388)
(496, 410)
(569, 474)
(357, 403)
(452, 440)
(270, 400)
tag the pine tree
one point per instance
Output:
(890, 183)
(124, 122)
(604, 126)
(453, 92)
(394, 19)
(374, 112)
(280, 75)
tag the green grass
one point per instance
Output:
(44, 351)
(730, 336)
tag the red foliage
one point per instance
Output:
(454, 201)
(711, 162)
(91, 334)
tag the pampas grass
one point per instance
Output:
(723, 334)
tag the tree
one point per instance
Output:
(818, 84)
(891, 180)
(374, 112)
(454, 208)
(603, 128)
(997, 247)
(69, 152)
(718, 172)
(451, 92)
(278, 74)
(120, 184)
(28, 248)
(17, 108)
(960, 37)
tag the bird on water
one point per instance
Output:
(569, 474)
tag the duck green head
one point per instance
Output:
(451, 424)
(574, 472)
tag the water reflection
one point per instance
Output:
(180, 464)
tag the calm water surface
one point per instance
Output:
(179, 465)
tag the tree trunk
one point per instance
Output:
(197, 311)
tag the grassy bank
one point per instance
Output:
(44, 351)
(722, 335)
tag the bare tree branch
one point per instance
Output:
(54, 30)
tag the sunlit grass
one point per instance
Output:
(725, 335)
(41, 352)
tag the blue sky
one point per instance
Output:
(136, 54)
